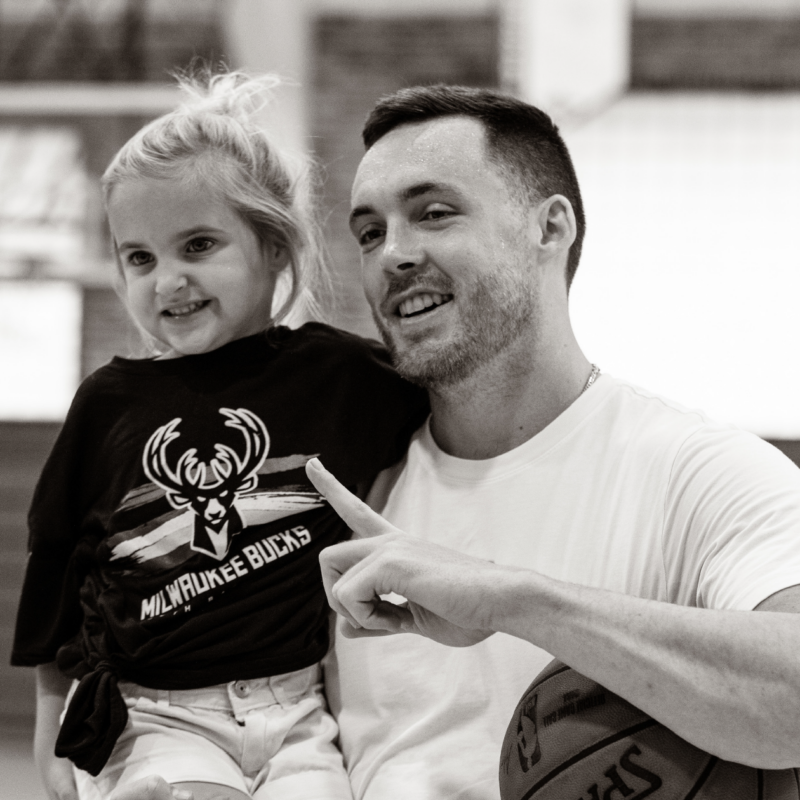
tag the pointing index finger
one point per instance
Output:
(360, 518)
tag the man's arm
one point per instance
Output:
(727, 681)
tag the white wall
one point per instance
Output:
(571, 57)
(690, 280)
(40, 323)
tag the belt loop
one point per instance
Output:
(278, 692)
(163, 698)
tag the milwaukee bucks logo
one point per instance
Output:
(189, 483)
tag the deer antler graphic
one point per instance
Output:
(216, 517)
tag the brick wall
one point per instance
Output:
(743, 53)
(106, 331)
(81, 46)
(355, 61)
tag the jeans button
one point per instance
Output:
(241, 688)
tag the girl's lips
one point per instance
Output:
(185, 310)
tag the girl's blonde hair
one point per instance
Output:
(214, 137)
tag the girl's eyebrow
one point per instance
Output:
(130, 246)
(185, 234)
(194, 230)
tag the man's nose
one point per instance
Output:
(170, 278)
(401, 251)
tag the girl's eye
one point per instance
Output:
(200, 244)
(139, 258)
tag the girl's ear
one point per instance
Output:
(276, 255)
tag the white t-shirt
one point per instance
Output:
(624, 491)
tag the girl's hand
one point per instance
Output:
(151, 788)
(447, 593)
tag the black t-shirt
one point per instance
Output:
(173, 533)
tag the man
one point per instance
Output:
(568, 514)
(653, 532)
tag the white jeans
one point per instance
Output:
(268, 737)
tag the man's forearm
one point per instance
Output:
(727, 681)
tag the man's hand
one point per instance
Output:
(445, 591)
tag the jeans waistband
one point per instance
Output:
(235, 696)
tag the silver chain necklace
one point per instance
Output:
(593, 375)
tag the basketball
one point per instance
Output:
(572, 739)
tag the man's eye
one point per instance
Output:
(200, 244)
(369, 236)
(436, 213)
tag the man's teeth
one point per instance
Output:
(184, 310)
(422, 302)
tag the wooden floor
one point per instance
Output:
(18, 778)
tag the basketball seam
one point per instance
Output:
(562, 668)
(707, 770)
(587, 752)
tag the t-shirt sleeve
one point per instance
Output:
(733, 506)
(49, 611)
(375, 410)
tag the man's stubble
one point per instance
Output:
(498, 308)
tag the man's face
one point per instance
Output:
(447, 261)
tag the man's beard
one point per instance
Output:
(496, 311)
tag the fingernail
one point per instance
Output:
(315, 463)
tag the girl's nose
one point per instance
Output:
(170, 280)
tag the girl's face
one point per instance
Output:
(196, 276)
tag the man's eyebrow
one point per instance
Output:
(417, 190)
(360, 211)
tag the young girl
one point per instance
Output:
(173, 534)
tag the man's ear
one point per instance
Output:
(557, 225)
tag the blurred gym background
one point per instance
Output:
(684, 121)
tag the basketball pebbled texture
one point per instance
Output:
(571, 739)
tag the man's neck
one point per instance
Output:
(507, 402)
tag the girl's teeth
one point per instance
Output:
(184, 310)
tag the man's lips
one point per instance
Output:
(420, 303)
(185, 310)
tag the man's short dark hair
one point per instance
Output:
(521, 139)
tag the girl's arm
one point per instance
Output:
(51, 694)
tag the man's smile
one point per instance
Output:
(421, 303)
